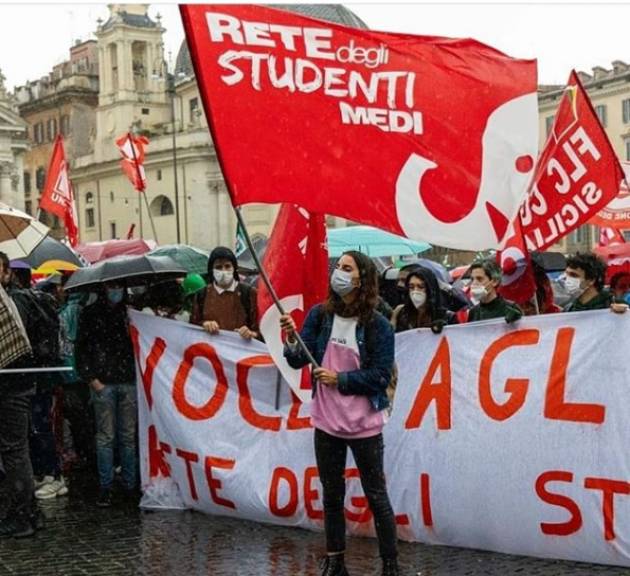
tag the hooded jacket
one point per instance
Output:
(405, 316)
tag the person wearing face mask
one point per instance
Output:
(105, 360)
(485, 279)
(424, 305)
(584, 282)
(354, 347)
(226, 303)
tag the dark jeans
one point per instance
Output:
(330, 452)
(116, 413)
(16, 490)
(43, 446)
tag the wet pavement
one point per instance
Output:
(81, 539)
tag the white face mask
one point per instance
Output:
(418, 297)
(478, 292)
(573, 286)
(341, 283)
(223, 278)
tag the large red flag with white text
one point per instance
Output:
(577, 174)
(132, 151)
(58, 195)
(432, 138)
(296, 260)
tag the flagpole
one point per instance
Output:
(144, 194)
(265, 277)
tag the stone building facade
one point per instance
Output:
(13, 147)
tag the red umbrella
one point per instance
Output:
(97, 251)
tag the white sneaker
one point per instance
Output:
(52, 490)
(45, 480)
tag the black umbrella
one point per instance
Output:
(125, 268)
(51, 249)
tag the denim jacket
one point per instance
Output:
(376, 351)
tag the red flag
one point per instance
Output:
(296, 260)
(518, 283)
(431, 138)
(58, 195)
(132, 163)
(616, 214)
(577, 174)
(608, 236)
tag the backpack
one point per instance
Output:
(40, 315)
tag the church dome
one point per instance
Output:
(336, 13)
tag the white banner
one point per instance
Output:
(507, 438)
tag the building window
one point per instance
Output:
(145, 111)
(111, 196)
(112, 230)
(28, 207)
(27, 182)
(89, 198)
(162, 206)
(193, 104)
(627, 143)
(159, 174)
(625, 110)
(38, 133)
(578, 235)
(601, 114)
(49, 131)
(548, 125)
(89, 218)
(40, 178)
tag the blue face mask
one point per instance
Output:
(115, 295)
(626, 298)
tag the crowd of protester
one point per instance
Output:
(87, 414)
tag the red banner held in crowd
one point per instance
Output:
(608, 236)
(577, 174)
(296, 260)
(132, 163)
(58, 196)
(432, 138)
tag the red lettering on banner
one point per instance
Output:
(562, 528)
(157, 350)
(515, 387)
(295, 421)
(311, 495)
(402, 520)
(214, 484)
(283, 474)
(364, 514)
(210, 408)
(555, 406)
(430, 391)
(189, 458)
(245, 405)
(158, 466)
(425, 498)
(609, 488)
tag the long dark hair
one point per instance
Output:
(365, 303)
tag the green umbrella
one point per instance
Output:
(195, 261)
(372, 242)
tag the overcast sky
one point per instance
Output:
(561, 36)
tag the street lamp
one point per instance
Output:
(170, 90)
